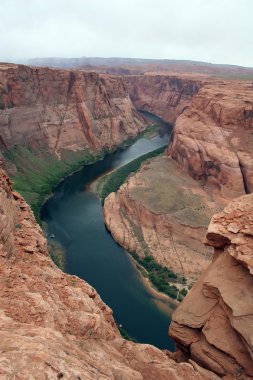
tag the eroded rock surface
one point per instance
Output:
(162, 212)
(53, 325)
(214, 323)
(163, 95)
(64, 109)
(213, 137)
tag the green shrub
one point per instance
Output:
(57, 254)
(160, 276)
(39, 171)
(112, 181)
(125, 334)
(182, 294)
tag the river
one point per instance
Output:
(74, 216)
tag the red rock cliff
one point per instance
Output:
(213, 137)
(53, 325)
(162, 212)
(163, 95)
(214, 323)
(63, 109)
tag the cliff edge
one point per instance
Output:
(213, 138)
(214, 323)
(53, 325)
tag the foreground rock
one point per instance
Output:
(162, 212)
(214, 323)
(53, 325)
(213, 137)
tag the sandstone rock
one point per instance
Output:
(163, 95)
(161, 211)
(53, 325)
(64, 109)
(213, 137)
(214, 323)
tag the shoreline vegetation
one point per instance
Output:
(160, 278)
(38, 171)
(111, 182)
(57, 254)
(125, 334)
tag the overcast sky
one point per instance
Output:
(218, 31)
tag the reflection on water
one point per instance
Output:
(74, 217)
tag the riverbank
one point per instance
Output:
(37, 172)
(153, 291)
(155, 276)
(160, 215)
(97, 185)
(74, 216)
(162, 279)
(110, 182)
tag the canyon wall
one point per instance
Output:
(161, 211)
(213, 137)
(64, 109)
(54, 325)
(75, 110)
(164, 95)
(214, 323)
(212, 141)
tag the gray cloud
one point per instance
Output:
(219, 31)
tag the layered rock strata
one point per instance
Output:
(64, 109)
(53, 325)
(214, 323)
(213, 137)
(163, 95)
(162, 212)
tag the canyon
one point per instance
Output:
(211, 141)
(213, 119)
(69, 113)
(54, 121)
(54, 325)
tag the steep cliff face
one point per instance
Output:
(214, 323)
(163, 95)
(162, 212)
(53, 325)
(213, 137)
(63, 109)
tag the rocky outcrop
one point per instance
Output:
(213, 137)
(75, 110)
(64, 109)
(53, 325)
(214, 323)
(164, 95)
(162, 212)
